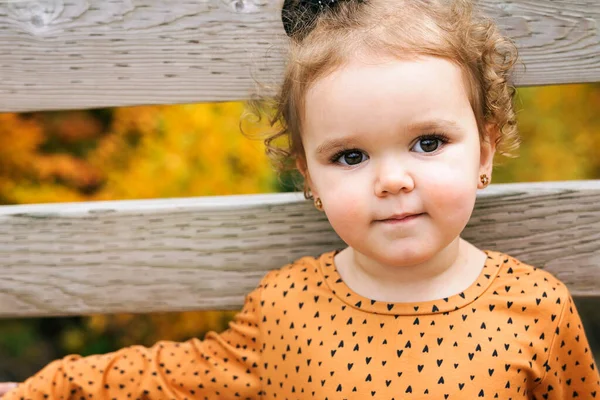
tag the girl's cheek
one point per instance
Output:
(453, 189)
(345, 201)
(347, 219)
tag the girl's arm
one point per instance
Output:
(570, 368)
(7, 387)
(224, 365)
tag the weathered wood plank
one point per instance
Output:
(207, 253)
(66, 54)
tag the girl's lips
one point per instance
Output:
(400, 220)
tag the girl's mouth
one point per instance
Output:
(400, 219)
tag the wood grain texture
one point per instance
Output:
(75, 54)
(208, 253)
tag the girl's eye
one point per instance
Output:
(429, 144)
(349, 157)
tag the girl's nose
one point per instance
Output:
(392, 178)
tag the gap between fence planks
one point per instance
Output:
(80, 54)
(208, 253)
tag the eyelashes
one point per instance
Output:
(350, 152)
(354, 156)
(435, 136)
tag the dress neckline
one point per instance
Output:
(339, 288)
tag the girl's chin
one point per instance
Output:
(399, 257)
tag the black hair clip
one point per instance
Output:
(300, 15)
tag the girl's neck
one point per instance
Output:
(449, 272)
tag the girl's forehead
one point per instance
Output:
(361, 94)
(388, 76)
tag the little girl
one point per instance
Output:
(393, 111)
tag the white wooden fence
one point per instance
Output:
(207, 253)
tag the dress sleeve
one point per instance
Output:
(570, 369)
(222, 366)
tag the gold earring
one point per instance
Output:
(484, 179)
(318, 204)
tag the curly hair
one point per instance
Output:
(449, 29)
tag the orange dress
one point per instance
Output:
(303, 334)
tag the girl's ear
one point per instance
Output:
(303, 169)
(488, 150)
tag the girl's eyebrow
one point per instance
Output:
(427, 125)
(433, 124)
(334, 144)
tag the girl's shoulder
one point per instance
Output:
(304, 268)
(499, 266)
(525, 279)
(512, 267)
(504, 280)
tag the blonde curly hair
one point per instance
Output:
(450, 29)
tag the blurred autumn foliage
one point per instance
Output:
(197, 150)
(124, 153)
(127, 153)
(560, 129)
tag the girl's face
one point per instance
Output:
(390, 138)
